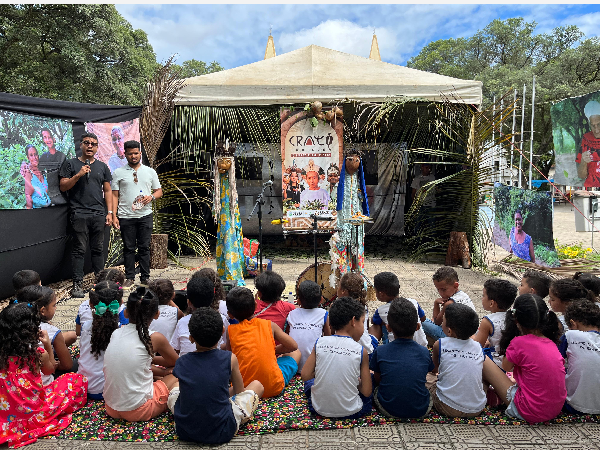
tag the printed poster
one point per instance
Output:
(311, 153)
(576, 134)
(111, 139)
(32, 150)
(523, 224)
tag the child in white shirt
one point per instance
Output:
(309, 322)
(168, 312)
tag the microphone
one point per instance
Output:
(87, 163)
(279, 221)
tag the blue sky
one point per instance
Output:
(234, 35)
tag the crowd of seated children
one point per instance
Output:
(253, 341)
(307, 323)
(336, 375)
(591, 282)
(211, 366)
(387, 288)
(206, 408)
(105, 300)
(445, 280)
(498, 296)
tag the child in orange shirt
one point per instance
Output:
(252, 340)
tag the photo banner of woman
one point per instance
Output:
(230, 240)
(32, 150)
(523, 224)
(311, 152)
(111, 140)
(576, 134)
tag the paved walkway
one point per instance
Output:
(415, 282)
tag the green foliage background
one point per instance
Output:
(16, 132)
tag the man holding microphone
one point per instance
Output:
(87, 183)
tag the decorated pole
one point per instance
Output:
(531, 137)
(522, 139)
(512, 138)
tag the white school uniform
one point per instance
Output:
(583, 375)
(463, 299)
(337, 370)
(365, 339)
(382, 313)
(460, 383)
(89, 365)
(306, 326)
(498, 320)
(52, 333)
(166, 322)
(180, 340)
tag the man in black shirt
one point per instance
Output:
(87, 183)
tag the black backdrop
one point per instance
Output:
(37, 238)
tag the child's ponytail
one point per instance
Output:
(19, 335)
(142, 306)
(105, 299)
(355, 285)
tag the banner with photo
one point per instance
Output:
(32, 149)
(523, 224)
(111, 138)
(311, 154)
(576, 134)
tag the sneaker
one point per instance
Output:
(144, 282)
(77, 291)
(128, 284)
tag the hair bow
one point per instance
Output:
(113, 307)
(512, 310)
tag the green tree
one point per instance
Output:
(86, 53)
(194, 68)
(506, 54)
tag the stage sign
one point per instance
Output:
(523, 224)
(32, 150)
(311, 154)
(576, 134)
(111, 138)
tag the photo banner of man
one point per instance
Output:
(111, 138)
(32, 150)
(311, 153)
(576, 134)
(523, 224)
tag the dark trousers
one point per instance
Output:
(136, 233)
(87, 228)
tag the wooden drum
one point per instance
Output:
(328, 292)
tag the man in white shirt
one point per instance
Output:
(135, 187)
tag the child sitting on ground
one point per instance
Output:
(85, 311)
(28, 411)
(387, 288)
(591, 282)
(129, 390)
(168, 312)
(309, 322)
(581, 349)
(200, 293)
(535, 282)
(105, 298)
(445, 280)
(252, 340)
(352, 285)
(336, 376)
(498, 295)
(24, 278)
(219, 300)
(458, 360)
(529, 345)
(400, 367)
(206, 408)
(562, 293)
(45, 301)
(269, 306)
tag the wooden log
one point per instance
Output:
(158, 251)
(458, 250)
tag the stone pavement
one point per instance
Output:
(415, 282)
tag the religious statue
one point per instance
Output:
(230, 240)
(347, 244)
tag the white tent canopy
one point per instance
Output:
(316, 73)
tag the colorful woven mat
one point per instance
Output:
(286, 412)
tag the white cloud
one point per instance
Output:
(588, 23)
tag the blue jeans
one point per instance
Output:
(432, 330)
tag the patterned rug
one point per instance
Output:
(287, 412)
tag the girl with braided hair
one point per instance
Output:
(105, 301)
(29, 410)
(129, 390)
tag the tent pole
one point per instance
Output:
(494, 140)
(531, 137)
(512, 139)
(522, 139)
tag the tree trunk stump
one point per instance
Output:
(158, 251)
(458, 250)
